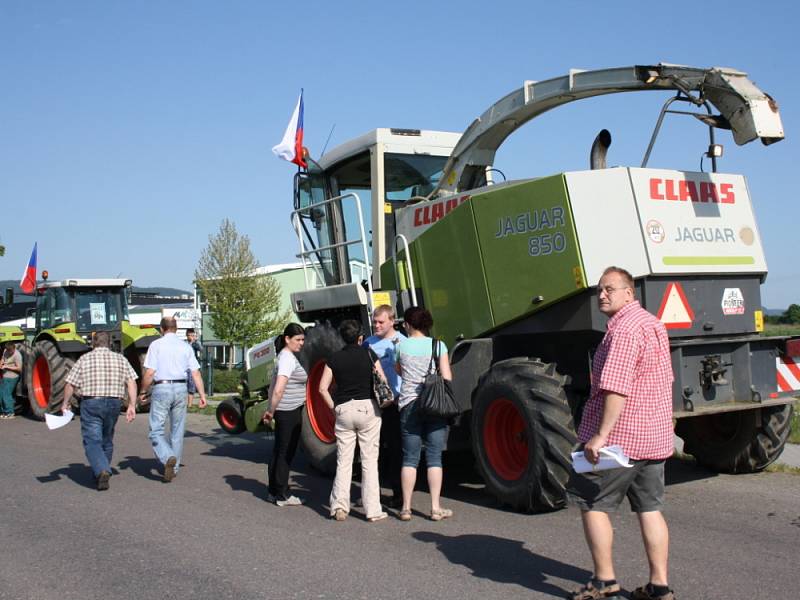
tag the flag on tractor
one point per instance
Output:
(28, 281)
(291, 146)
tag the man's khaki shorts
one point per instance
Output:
(643, 484)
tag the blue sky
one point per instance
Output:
(131, 129)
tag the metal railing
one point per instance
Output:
(305, 255)
(409, 269)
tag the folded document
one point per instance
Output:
(611, 457)
(56, 421)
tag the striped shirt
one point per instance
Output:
(294, 395)
(633, 360)
(101, 373)
(414, 358)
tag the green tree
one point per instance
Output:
(792, 314)
(244, 307)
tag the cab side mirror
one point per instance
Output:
(8, 298)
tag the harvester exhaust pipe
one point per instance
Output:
(597, 158)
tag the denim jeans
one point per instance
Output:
(98, 419)
(415, 430)
(7, 385)
(168, 401)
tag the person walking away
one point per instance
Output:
(103, 377)
(287, 397)
(384, 344)
(630, 405)
(11, 368)
(413, 361)
(357, 418)
(165, 366)
(191, 388)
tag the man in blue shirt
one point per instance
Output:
(384, 343)
(165, 366)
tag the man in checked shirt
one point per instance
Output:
(103, 377)
(630, 405)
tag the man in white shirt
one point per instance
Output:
(166, 364)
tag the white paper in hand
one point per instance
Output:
(56, 421)
(611, 457)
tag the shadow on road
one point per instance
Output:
(149, 468)
(76, 472)
(504, 561)
(683, 471)
(244, 484)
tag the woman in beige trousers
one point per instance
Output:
(357, 419)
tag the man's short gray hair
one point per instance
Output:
(101, 339)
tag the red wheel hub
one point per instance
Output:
(505, 439)
(41, 382)
(323, 421)
(229, 417)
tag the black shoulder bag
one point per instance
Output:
(436, 398)
(381, 391)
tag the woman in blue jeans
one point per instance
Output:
(413, 361)
(11, 367)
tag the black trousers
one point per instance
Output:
(287, 436)
(391, 455)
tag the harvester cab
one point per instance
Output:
(67, 314)
(409, 217)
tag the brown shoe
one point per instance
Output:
(646, 592)
(169, 469)
(590, 592)
(102, 480)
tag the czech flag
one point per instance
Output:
(291, 146)
(28, 282)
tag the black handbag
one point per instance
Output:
(381, 391)
(436, 398)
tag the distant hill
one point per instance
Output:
(161, 291)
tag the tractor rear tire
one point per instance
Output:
(230, 416)
(317, 437)
(46, 377)
(737, 442)
(523, 434)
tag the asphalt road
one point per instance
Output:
(210, 534)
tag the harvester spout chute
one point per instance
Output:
(752, 114)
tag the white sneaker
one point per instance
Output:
(290, 501)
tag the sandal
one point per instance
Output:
(404, 515)
(646, 593)
(590, 592)
(442, 513)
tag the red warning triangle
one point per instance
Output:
(675, 311)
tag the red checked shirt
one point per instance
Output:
(633, 360)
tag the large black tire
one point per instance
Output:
(230, 415)
(46, 377)
(523, 434)
(737, 442)
(317, 438)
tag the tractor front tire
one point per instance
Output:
(46, 377)
(230, 416)
(317, 436)
(523, 434)
(737, 442)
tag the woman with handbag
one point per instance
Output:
(287, 397)
(414, 364)
(357, 419)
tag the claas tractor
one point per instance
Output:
(509, 270)
(67, 313)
